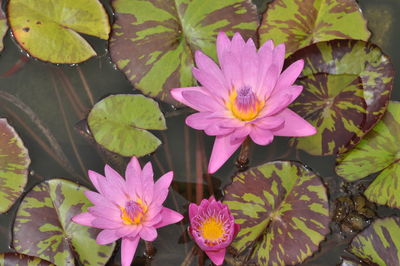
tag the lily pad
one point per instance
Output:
(119, 123)
(153, 42)
(355, 109)
(378, 150)
(14, 164)
(49, 29)
(379, 243)
(299, 23)
(283, 212)
(45, 216)
(3, 27)
(17, 259)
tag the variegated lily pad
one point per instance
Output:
(48, 29)
(120, 123)
(378, 150)
(14, 162)
(3, 27)
(379, 244)
(43, 226)
(153, 42)
(17, 259)
(283, 212)
(342, 115)
(299, 23)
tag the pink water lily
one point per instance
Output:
(129, 208)
(247, 95)
(212, 227)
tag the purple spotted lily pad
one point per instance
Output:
(3, 27)
(21, 259)
(283, 212)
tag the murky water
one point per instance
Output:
(45, 102)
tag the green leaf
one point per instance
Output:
(378, 150)
(49, 29)
(14, 164)
(17, 259)
(43, 226)
(119, 123)
(342, 111)
(283, 212)
(299, 23)
(379, 243)
(3, 27)
(153, 42)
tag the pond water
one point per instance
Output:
(47, 105)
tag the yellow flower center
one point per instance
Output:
(133, 212)
(212, 229)
(243, 104)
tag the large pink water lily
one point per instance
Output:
(247, 95)
(128, 208)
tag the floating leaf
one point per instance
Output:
(3, 27)
(378, 150)
(342, 115)
(14, 164)
(153, 42)
(43, 226)
(48, 29)
(282, 209)
(119, 123)
(299, 23)
(379, 243)
(16, 259)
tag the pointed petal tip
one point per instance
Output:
(217, 257)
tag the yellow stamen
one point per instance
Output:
(244, 113)
(212, 229)
(133, 215)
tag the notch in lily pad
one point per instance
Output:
(283, 212)
(120, 123)
(48, 30)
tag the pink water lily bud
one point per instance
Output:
(129, 208)
(212, 227)
(246, 95)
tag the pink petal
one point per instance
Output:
(295, 125)
(133, 173)
(218, 128)
(177, 94)
(200, 121)
(147, 183)
(264, 63)
(261, 136)
(217, 257)
(94, 177)
(111, 214)
(231, 68)
(236, 230)
(112, 192)
(148, 233)
(269, 122)
(249, 63)
(98, 199)
(289, 76)
(168, 217)
(131, 231)
(240, 134)
(128, 249)
(223, 44)
(222, 150)
(275, 105)
(292, 91)
(84, 218)
(106, 237)
(193, 210)
(201, 101)
(161, 187)
(237, 44)
(269, 81)
(114, 177)
(278, 56)
(105, 223)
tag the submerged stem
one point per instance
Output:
(149, 249)
(242, 161)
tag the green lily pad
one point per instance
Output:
(283, 212)
(49, 29)
(153, 42)
(17, 259)
(353, 110)
(119, 123)
(14, 164)
(378, 150)
(379, 243)
(43, 226)
(299, 23)
(3, 27)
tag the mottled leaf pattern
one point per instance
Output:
(16, 259)
(119, 123)
(299, 23)
(48, 29)
(282, 209)
(379, 149)
(153, 42)
(43, 226)
(379, 243)
(3, 27)
(366, 107)
(14, 162)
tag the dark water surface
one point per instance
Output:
(45, 102)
